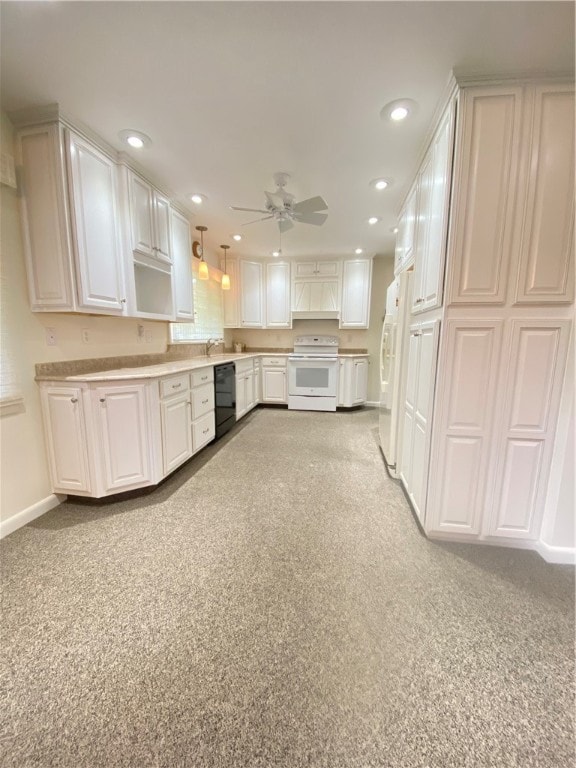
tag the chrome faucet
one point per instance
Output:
(212, 343)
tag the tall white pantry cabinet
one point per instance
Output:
(492, 210)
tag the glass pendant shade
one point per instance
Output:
(202, 267)
(225, 277)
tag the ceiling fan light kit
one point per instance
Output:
(281, 207)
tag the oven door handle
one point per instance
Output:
(313, 359)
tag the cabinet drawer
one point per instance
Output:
(202, 400)
(243, 366)
(174, 385)
(202, 376)
(203, 431)
(274, 362)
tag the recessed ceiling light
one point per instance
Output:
(394, 230)
(135, 139)
(237, 237)
(275, 254)
(197, 198)
(373, 220)
(397, 111)
(380, 184)
(358, 251)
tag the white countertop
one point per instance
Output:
(172, 367)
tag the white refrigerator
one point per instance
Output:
(392, 370)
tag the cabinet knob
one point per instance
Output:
(175, 386)
(205, 431)
(123, 301)
(102, 399)
(204, 402)
(73, 399)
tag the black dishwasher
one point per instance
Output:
(225, 397)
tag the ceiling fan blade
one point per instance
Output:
(284, 225)
(311, 218)
(251, 210)
(255, 220)
(311, 205)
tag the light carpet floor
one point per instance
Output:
(273, 604)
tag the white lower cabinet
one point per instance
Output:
(124, 435)
(352, 381)
(66, 439)
(203, 431)
(176, 432)
(101, 439)
(245, 387)
(274, 386)
(416, 432)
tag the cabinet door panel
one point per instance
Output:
(422, 230)
(481, 246)
(251, 309)
(360, 381)
(433, 269)
(458, 508)
(47, 246)
(66, 439)
(534, 373)
(274, 386)
(356, 285)
(328, 268)
(547, 250)
(141, 214)
(124, 429)
(182, 274)
(203, 431)
(202, 400)
(305, 268)
(95, 217)
(162, 249)
(278, 295)
(176, 432)
(241, 396)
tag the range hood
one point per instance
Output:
(316, 314)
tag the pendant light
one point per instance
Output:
(225, 276)
(202, 267)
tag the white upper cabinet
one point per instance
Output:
(149, 219)
(316, 269)
(486, 183)
(546, 272)
(95, 223)
(433, 210)
(231, 297)
(404, 255)
(251, 294)
(356, 286)
(182, 268)
(278, 295)
(70, 223)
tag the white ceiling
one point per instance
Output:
(231, 92)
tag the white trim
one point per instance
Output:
(552, 554)
(31, 513)
(375, 403)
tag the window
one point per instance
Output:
(208, 310)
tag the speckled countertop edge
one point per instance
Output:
(145, 368)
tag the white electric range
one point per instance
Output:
(313, 374)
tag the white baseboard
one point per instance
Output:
(31, 513)
(552, 554)
(375, 403)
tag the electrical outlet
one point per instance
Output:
(51, 337)
(140, 332)
(85, 336)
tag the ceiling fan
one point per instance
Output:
(280, 206)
